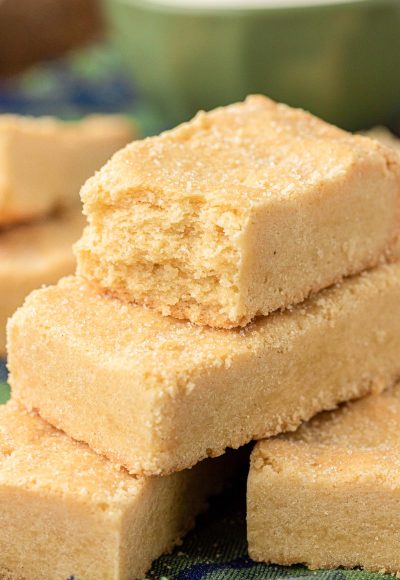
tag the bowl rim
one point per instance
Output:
(208, 10)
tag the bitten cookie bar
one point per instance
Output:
(33, 255)
(44, 161)
(157, 394)
(240, 212)
(329, 495)
(65, 512)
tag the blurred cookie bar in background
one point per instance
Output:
(384, 136)
(43, 163)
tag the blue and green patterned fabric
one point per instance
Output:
(4, 389)
(83, 83)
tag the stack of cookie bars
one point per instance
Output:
(237, 276)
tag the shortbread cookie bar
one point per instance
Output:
(66, 512)
(44, 161)
(158, 395)
(328, 495)
(240, 212)
(385, 137)
(32, 255)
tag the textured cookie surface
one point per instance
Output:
(67, 512)
(157, 394)
(242, 211)
(328, 495)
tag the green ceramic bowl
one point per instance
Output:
(340, 60)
